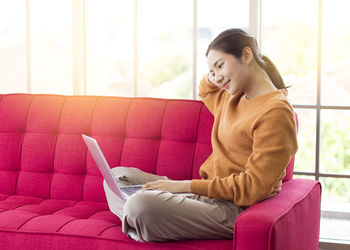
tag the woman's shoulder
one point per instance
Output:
(278, 106)
(279, 101)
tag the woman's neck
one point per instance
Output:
(259, 84)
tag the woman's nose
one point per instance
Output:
(218, 79)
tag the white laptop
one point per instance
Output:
(124, 192)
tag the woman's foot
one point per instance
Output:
(132, 234)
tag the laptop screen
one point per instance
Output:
(102, 164)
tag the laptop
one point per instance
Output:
(124, 192)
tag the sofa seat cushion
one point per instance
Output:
(41, 222)
(32, 214)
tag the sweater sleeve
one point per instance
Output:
(274, 143)
(209, 93)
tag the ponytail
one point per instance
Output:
(272, 72)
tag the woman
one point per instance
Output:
(254, 135)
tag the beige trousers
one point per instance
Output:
(151, 215)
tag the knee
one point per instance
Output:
(119, 170)
(143, 202)
(143, 211)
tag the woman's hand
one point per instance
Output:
(211, 79)
(169, 185)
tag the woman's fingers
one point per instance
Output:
(152, 186)
(159, 184)
(152, 183)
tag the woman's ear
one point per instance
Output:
(247, 55)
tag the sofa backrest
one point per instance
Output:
(42, 152)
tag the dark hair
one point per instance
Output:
(232, 41)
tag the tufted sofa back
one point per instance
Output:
(42, 152)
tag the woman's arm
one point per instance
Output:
(210, 93)
(274, 143)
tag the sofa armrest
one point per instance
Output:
(288, 220)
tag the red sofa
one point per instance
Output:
(51, 193)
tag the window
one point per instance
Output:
(213, 19)
(12, 47)
(156, 48)
(110, 50)
(308, 42)
(50, 45)
(335, 53)
(305, 158)
(289, 39)
(165, 29)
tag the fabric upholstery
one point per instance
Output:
(51, 193)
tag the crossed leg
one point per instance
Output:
(156, 215)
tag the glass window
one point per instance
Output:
(110, 48)
(335, 206)
(13, 73)
(335, 141)
(213, 18)
(289, 39)
(165, 48)
(335, 89)
(51, 46)
(306, 154)
(300, 176)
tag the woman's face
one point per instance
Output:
(228, 72)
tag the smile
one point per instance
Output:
(226, 84)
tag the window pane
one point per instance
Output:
(335, 88)
(289, 39)
(12, 47)
(165, 48)
(51, 46)
(110, 50)
(306, 155)
(335, 206)
(301, 176)
(212, 20)
(335, 141)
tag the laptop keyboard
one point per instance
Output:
(129, 190)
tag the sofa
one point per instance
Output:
(51, 192)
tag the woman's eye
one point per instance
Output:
(220, 65)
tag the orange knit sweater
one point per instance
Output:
(253, 140)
